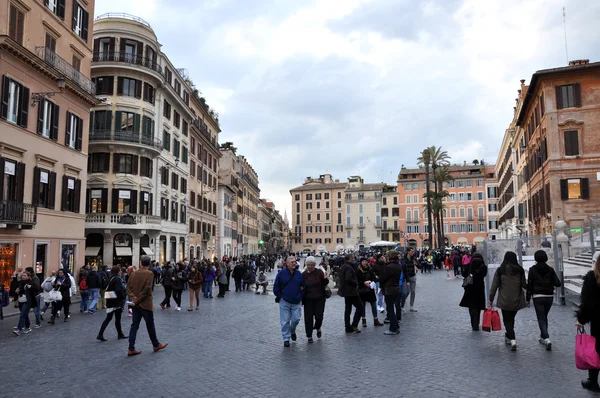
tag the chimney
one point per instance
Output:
(579, 62)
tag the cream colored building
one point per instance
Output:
(249, 219)
(363, 213)
(318, 215)
(390, 214)
(45, 58)
(136, 200)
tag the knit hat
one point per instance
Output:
(540, 256)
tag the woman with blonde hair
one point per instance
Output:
(589, 312)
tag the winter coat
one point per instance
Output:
(289, 286)
(509, 282)
(408, 266)
(390, 280)
(367, 295)
(167, 277)
(348, 283)
(180, 279)
(589, 308)
(30, 292)
(474, 295)
(222, 279)
(64, 287)
(195, 280)
(115, 284)
(93, 280)
(541, 280)
(209, 274)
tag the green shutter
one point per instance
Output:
(118, 121)
(136, 123)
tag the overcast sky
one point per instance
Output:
(348, 87)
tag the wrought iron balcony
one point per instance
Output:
(66, 69)
(136, 138)
(132, 59)
(17, 213)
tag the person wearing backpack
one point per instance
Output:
(83, 289)
(46, 288)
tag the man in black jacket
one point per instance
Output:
(390, 285)
(348, 289)
(94, 283)
(409, 266)
(168, 285)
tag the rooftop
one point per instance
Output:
(318, 186)
(366, 187)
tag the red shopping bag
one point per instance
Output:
(491, 320)
(586, 356)
(496, 325)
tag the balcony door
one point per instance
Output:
(12, 180)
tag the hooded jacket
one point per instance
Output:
(509, 282)
(542, 280)
(348, 282)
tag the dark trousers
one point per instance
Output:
(117, 313)
(167, 300)
(373, 305)
(238, 284)
(509, 323)
(177, 296)
(394, 311)
(228, 274)
(222, 289)
(456, 269)
(353, 301)
(313, 314)
(64, 304)
(148, 316)
(542, 307)
(475, 314)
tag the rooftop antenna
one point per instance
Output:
(565, 28)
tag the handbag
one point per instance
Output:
(54, 295)
(110, 295)
(586, 356)
(327, 292)
(491, 320)
(22, 299)
(468, 281)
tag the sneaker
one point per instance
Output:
(286, 343)
(413, 309)
(403, 311)
(506, 340)
(355, 330)
(294, 337)
(310, 340)
(17, 332)
(513, 345)
(548, 345)
(38, 326)
(319, 334)
(390, 333)
(26, 330)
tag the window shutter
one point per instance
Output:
(135, 161)
(86, 21)
(136, 123)
(77, 196)
(52, 190)
(118, 121)
(104, 200)
(35, 195)
(106, 165)
(24, 111)
(142, 201)
(122, 47)
(20, 176)
(5, 98)
(115, 200)
(120, 85)
(60, 9)
(2, 164)
(585, 188)
(577, 94)
(110, 85)
(40, 119)
(150, 211)
(559, 98)
(96, 49)
(133, 206)
(140, 52)
(116, 161)
(63, 199)
(20, 23)
(564, 190)
(167, 210)
(138, 89)
(68, 129)
(79, 140)
(145, 95)
(111, 45)
(74, 21)
(12, 24)
(55, 118)
(87, 200)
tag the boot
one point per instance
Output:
(377, 323)
(122, 336)
(51, 321)
(101, 338)
(364, 322)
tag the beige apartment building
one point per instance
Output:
(318, 215)
(250, 226)
(45, 58)
(363, 213)
(229, 178)
(390, 214)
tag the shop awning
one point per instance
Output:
(123, 251)
(92, 251)
(148, 251)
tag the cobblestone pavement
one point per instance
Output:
(232, 348)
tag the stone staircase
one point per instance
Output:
(576, 268)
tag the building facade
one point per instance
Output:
(226, 204)
(228, 176)
(45, 59)
(136, 201)
(390, 214)
(248, 220)
(363, 213)
(465, 213)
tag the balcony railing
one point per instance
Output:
(108, 135)
(66, 69)
(361, 226)
(481, 218)
(349, 226)
(127, 58)
(470, 218)
(17, 213)
(115, 219)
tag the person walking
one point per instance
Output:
(390, 286)
(83, 289)
(195, 280)
(62, 283)
(167, 283)
(139, 291)
(509, 282)
(474, 295)
(116, 289)
(26, 297)
(179, 278)
(289, 290)
(541, 281)
(238, 274)
(366, 283)
(589, 312)
(348, 289)
(94, 283)
(222, 280)
(209, 278)
(410, 268)
(315, 281)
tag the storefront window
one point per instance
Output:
(68, 257)
(8, 263)
(96, 205)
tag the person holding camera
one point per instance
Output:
(289, 290)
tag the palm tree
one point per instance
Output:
(438, 158)
(442, 175)
(425, 160)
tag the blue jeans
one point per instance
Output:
(36, 310)
(148, 316)
(289, 317)
(85, 296)
(95, 295)
(208, 289)
(379, 296)
(24, 316)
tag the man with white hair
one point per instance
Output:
(288, 290)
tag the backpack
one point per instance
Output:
(47, 285)
(4, 299)
(83, 284)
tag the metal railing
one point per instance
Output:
(127, 58)
(123, 16)
(66, 69)
(115, 218)
(137, 138)
(13, 212)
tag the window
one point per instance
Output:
(99, 162)
(167, 109)
(309, 196)
(183, 185)
(184, 155)
(129, 87)
(145, 203)
(361, 221)
(16, 23)
(182, 215)
(186, 98)
(479, 195)
(481, 227)
(574, 188)
(57, 7)
(50, 42)
(71, 193)
(416, 214)
(127, 125)
(339, 195)
(415, 198)
(74, 133)
(461, 197)
(452, 212)
(461, 212)
(44, 186)
(469, 183)
(97, 200)
(408, 198)
(361, 208)
(164, 209)
(184, 127)
(167, 141)
(76, 63)
(149, 93)
(492, 192)
(326, 196)
(174, 211)
(176, 119)
(479, 183)
(169, 75)
(177, 87)
(568, 96)
(15, 102)
(47, 124)
(145, 167)
(80, 21)
(469, 196)
(127, 164)
(395, 200)
(339, 204)
(408, 215)
(104, 85)
(174, 181)
(571, 143)
(176, 148)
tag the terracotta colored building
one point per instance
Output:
(45, 58)
(466, 209)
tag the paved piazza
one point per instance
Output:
(232, 348)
